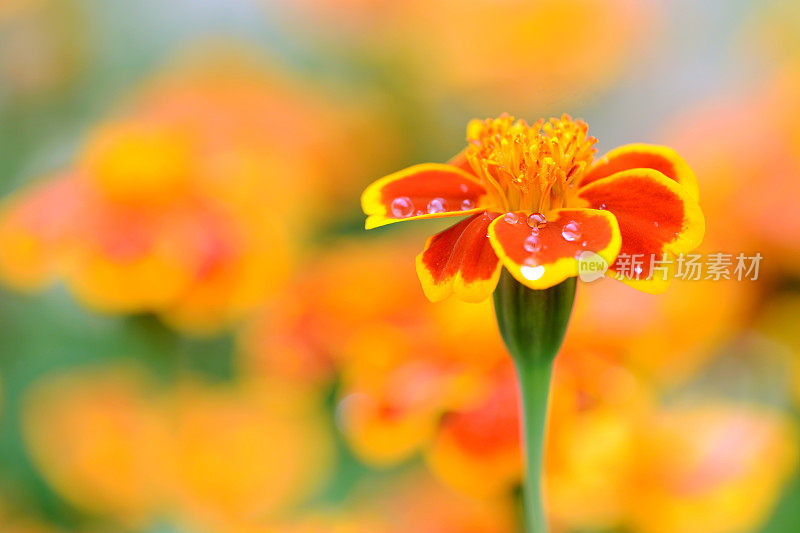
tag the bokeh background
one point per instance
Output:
(197, 335)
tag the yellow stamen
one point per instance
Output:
(530, 168)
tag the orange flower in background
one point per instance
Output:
(476, 450)
(536, 201)
(408, 385)
(496, 52)
(492, 51)
(711, 468)
(214, 457)
(241, 455)
(742, 169)
(185, 205)
(99, 442)
(668, 339)
(401, 364)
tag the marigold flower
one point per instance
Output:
(535, 199)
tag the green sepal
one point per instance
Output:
(533, 322)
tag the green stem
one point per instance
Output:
(533, 324)
(534, 381)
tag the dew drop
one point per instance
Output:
(532, 244)
(655, 223)
(571, 231)
(601, 207)
(402, 207)
(537, 219)
(467, 204)
(511, 218)
(532, 273)
(436, 205)
(463, 188)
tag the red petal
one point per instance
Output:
(541, 260)
(631, 156)
(460, 260)
(655, 215)
(430, 190)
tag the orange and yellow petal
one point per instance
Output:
(542, 256)
(640, 155)
(460, 260)
(430, 190)
(656, 216)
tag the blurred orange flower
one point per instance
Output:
(186, 205)
(741, 168)
(402, 363)
(399, 361)
(99, 442)
(711, 468)
(241, 455)
(211, 457)
(492, 52)
(668, 339)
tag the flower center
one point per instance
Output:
(532, 168)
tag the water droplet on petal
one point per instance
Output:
(532, 273)
(532, 244)
(467, 205)
(655, 223)
(601, 207)
(463, 188)
(419, 212)
(511, 218)
(437, 205)
(571, 231)
(537, 219)
(402, 207)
